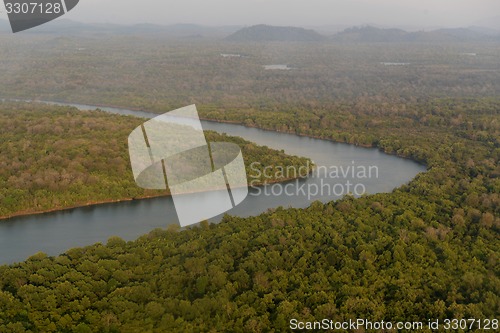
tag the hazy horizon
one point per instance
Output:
(313, 13)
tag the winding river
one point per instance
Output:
(338, 165)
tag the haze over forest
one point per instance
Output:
(330, 15)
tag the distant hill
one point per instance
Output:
(373, 34)
(370, 34)
(264, 33)
(485, 31)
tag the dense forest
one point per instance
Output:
(55, 157)
(427, 250)
(163, 74)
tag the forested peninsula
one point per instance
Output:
(57, 157)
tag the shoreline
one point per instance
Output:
(27, 213)
(315, 137)
(231, 122)
(103, 202)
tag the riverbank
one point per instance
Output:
(125, 199)
(139, 110)
(137, 214)
(55, 160)
(110, 201)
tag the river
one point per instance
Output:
(54, 233)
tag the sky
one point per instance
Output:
(421, 13)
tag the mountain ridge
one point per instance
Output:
(374, 34)
(262, 32)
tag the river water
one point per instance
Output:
(338, 165)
